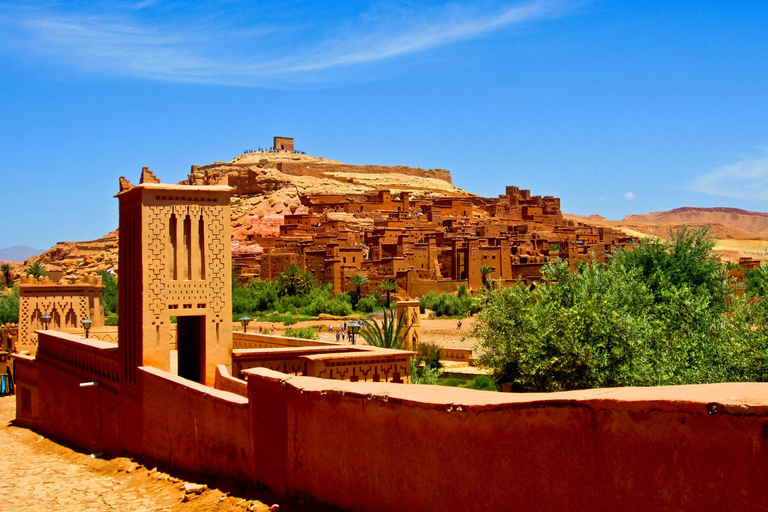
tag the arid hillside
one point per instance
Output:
(739, 233)
(267, 185)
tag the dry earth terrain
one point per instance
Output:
(738, 233)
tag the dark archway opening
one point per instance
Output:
(190, 341)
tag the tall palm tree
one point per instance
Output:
(390, 334)
(359, 281)
(485, 271)
(37, 270)
(293, 280)
(388, 286)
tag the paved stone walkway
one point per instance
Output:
(34, 477)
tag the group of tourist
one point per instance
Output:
(272, 331)
(272, 150)
(341, 333)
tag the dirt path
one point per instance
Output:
(37, 474)
(441, 332)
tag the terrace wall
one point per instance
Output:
(383, 446)
(190, 426)
(380, 447)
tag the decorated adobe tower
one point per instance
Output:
(174, 262)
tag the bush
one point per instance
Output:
(660, 314)
(368, 305)
(109, 281)
(448, 304)
(424, 374)
(430, 355)
(9, 307)
(480, 383)
(306, 333)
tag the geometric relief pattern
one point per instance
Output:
(214, 222)
(66, 312)
(158, 250)
(186, 291)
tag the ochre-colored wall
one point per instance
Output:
(381, 447)
(376, 446)
(191, 426)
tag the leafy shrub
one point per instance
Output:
(429, 354)
(306, 333)
(662, 313)
(368, 305)
(109, 281)
(448, 304)
(480, 383)
(424, 374)
(9, 307)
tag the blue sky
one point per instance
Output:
(616, 107)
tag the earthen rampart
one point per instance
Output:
(601, 450)
(626, 448)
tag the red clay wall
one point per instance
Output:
(190, 426)
(84, 416)
(380, 447)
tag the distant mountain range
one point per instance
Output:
(18, 253)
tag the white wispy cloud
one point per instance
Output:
(744, 179)
(630, 196)
(210, 50)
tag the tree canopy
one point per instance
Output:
(660, 313)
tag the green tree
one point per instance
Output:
(757, 281)
(358, 280)
(294, 281)
(37, 270)
(9, 307)
(661, 313)
(389, 334)
(5, 268)
(109, 281)
(485, 271)
(388, 286)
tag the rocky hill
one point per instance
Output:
(267, 185)
(739, 233)
(79, 258)
(729, 222)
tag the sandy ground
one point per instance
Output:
(38, 474)
(437, 331)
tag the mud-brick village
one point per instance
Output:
(509, 256)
